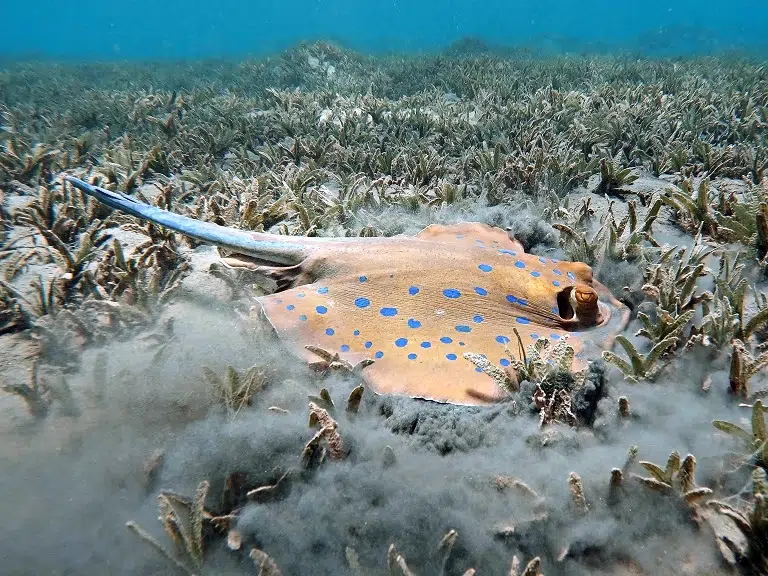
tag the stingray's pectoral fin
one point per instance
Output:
(265, 247)
(469, 233)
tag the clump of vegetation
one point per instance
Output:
(543, 363)
(752, 520)
(743, 367)
(236, 390)
(42, 391)
(397, 565)
(640, 366)
(333, 363)
(614, 174)
(35, 395)
(676, 477)
(756, 439)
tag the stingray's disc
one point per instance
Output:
(416, 318)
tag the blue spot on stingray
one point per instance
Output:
(414, 323)
(520, 264)
(363, 279)
(413, 290)
(461, 343)
(477, 319)
(322, 290)
(485, 267)
(571, 276)
(401, 342)
(478, 369)
(478, 240)
(426, 345)
(279, 301)
(555, 336)
(505, 251)
(535, 336)
(451, 293)
(411, 356)
(451, 356)
(555, 283)
(521, 320)
(504, 362)
(300, 295)
(502, 339)
(535, 274)
(460, 237)
(321, 309)
(344, 348)
(543, 260)
(463, 328)
(290, 307)
(388, 311)
(557, 272)
(481, 291)
(516, 300)
(303, 317)
(362, 302)
(379, 354)
(446, 340)
(554, 261)
(329, 331)
(368, 344)
(555, 310)
(356, 332)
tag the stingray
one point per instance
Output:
(412, 304)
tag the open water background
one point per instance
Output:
(140, 29)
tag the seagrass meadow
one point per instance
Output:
(152, 424)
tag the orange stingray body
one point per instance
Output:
(416, 305)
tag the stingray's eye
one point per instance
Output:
(585, 296)
(581, 302)
(584, 301)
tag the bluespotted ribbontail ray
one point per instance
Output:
(413, 304)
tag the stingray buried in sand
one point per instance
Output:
(413, 305)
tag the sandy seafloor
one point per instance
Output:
(414, 470)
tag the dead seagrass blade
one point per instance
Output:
(415, 305)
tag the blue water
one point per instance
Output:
(140, 29)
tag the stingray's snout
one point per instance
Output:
(581, 305)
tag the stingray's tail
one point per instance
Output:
(267, 247)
